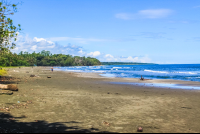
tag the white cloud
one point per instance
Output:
(34, 48)
(39, 44)
(94, 54)
(78, 40)
(196, 6)
(38, 39)
(81, 52)
(24, 43)
(145, 14)
(132, 59)
(111, 58)
(124, 16)
(155, 13)
(84, 40)
(41, 40)
(152, 35)
(180, 21)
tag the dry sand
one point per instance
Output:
(79, 102)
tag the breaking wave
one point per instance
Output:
(156, 71)
(188, 72)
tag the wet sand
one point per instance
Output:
(79, 102)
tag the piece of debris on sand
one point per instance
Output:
(32, 75)
(139, 129)
(106, 123)
(5, 92)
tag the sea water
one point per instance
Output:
(186, 72)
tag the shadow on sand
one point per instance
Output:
(10, 124)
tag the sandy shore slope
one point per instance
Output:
(67, 103)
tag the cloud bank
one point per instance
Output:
(38, 44)
(111, 58)
(24, 43)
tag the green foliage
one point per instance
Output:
(45, 58)
(3, 72)
(7, 30)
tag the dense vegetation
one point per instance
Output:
(45, 58)
(2, 72)
(124, 63)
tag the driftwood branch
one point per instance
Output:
(11, 87)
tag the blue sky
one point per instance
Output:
(155, 31)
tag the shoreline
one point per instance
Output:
(149, 72)
(157, 82)
(67, 103)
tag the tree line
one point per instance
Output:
(45, 58)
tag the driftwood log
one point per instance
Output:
(32, 75)
(5, 92)
(11, 87)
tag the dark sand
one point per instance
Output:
(67, 103)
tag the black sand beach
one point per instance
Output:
(76, 102)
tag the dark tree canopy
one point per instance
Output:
(45, 58)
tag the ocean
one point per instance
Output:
(186, 72)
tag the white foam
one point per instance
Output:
(169, 72)
(155, 71)
(108, 75)
(78, 67)
(70, 67)
(100, 71)
(117, 67)
(74, 70)
(186, 72)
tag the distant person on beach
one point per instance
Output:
(141, 78)
(51, 69)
